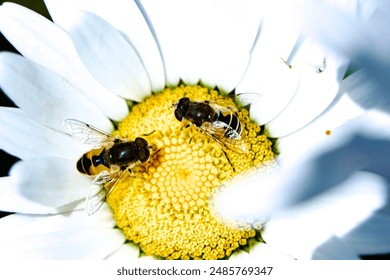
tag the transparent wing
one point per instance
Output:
(247, 98)
(95, 199)
(87, 134)
(218, 126)
(102, 186)
(217, 129)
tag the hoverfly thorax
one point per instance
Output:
(109, 161)
(195, 112)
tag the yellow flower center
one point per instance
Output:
(164, 205)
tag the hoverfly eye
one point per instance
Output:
(143, 155)
(143, 150)
(179, 114)
(182, 108)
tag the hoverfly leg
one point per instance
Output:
(130, 171)
(153, 148)
(147, 134)
(227, 157)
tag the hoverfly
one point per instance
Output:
(108, 161)
(220, 123)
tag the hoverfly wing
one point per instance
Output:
(95, 199)
(237, 145)
(247, 98)
(234, 142)
(87, 134)
(102, 186)
(222, 126)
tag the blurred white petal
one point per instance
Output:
(212, 43)
(372, 236)
(302, 177)
(50, 181)
(26, 138)
(109, 57)
(334, 249)
(64, 245)
(311, 225)
(46, 96)
(51, 47)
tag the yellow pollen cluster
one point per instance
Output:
(164, 205)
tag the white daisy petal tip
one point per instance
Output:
(109, 57)
(38, 91)
(49, 181)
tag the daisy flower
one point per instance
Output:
(123, 68)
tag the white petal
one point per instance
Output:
(64, 12)
(14, 221)
(50, 181)
(51, 47)
(358, 94)
(281, 28)
(128, 251)
(372, 236)
(268, 73)
(124, 16)
(315, 92)
(46, 96)
(337, 213)
(269, 76)
(64, 245)
(355, 92)
(12, 201)
(334, 249)
(109, 57)
(20, 226)
(25, 138)
(210, 43)
(127, 18)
